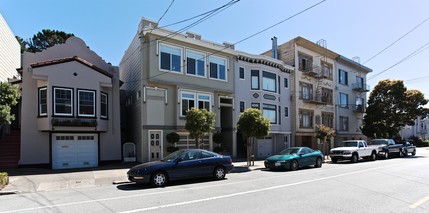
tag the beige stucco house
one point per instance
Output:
(165, 73)
(70, 108)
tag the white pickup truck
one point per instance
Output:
(353, 150)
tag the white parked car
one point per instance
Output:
(353, 150)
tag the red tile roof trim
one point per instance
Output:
(74, 58)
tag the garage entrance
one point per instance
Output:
(74, 151)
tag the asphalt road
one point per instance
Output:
(393, 185)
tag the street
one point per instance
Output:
(393, 185)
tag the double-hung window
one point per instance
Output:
(103, 105)
(190, 100)
(63, 101)
(241, 73)
(305, 119)
(86, 103)
(344, 102)
(170, 58)
(195, 63)
(269, 81)
(306, 91)
(217, 68)
(242, 106)
(343, 77)
(326, 70)
(269, 111)
(254, 79)
(344, 123)
(43, 110)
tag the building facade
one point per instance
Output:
(10, 52)
(70, 107)
(351, 99)
(420, 129)
(263, 82)
(165, 74)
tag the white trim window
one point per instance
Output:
(269, 111)
(103, 105)
(344, 100)
(63, 101)
(344, 123)
(217, 68)
(43, 102)
(190, 100)
(254, 80)
(170, 58)
(86, 103)
(195, 63)
(305, 118)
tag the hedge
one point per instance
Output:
(3, 179)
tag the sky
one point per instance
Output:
(351, 28)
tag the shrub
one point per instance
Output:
(217, 138)
(4, 179)
(173, 137)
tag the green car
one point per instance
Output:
(294, 158)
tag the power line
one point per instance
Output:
(166, 11)
(396, 41)
(416, 52)
(244, 39)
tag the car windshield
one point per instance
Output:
(289, 151)
(173, 156)
(377, 142)
(349, 144)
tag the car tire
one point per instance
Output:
(355, 158)
(405, 153)
(219, 173)
(334, 160)
(386, 155)
(401, 154)
(414, 152)
(294, 165)
(318, 163)
(373, 156)
(159, 179)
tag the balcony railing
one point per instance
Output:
(313, 70)
(313, 98)
(361, 87)
(358, 108)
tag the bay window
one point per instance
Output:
(217, 68)
(170, 58)
(269, 111)
(103, 105)
(190, 100)
(269, 81)
(86, 103)
(63, 99)
(43, 110)
(195, 63)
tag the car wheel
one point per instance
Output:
(294, 165)
(414, 152)
(334, 160)
(373, 156)
(401, 154)
(219, 173)
(159, 179)
(386, 155)
(355, 158)
(405, 152)
(318, 163)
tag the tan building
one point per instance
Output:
(315, 90)
(166, 73)
(70, 108)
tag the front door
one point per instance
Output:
(155, 145)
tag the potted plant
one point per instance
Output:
(218, 139)
(172, 138)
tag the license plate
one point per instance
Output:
(277, 164)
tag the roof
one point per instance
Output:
(69, 59)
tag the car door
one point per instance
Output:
(188, 165)
(305, 158)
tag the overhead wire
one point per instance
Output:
(244, 39)
(421, 23)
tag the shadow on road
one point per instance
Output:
(134, 186)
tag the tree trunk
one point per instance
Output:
(197, 142)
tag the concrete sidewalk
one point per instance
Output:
(25, 180)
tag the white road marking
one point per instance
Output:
(199, 200)
(420, 202)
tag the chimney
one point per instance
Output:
(275, 51)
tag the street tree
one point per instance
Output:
(45, 39)
(253, 124)
(199, 122)
(390, 107)
(9, 96)
(324, 133)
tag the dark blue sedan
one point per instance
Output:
(182, 164)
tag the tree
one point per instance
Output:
(324, 133)
(9, 95)
(390, 107)
(22, 43)
(253, 124)
(199, 122)
(46, 38)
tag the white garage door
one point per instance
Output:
(265, 147)
(74, 151)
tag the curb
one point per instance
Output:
(9, 192)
